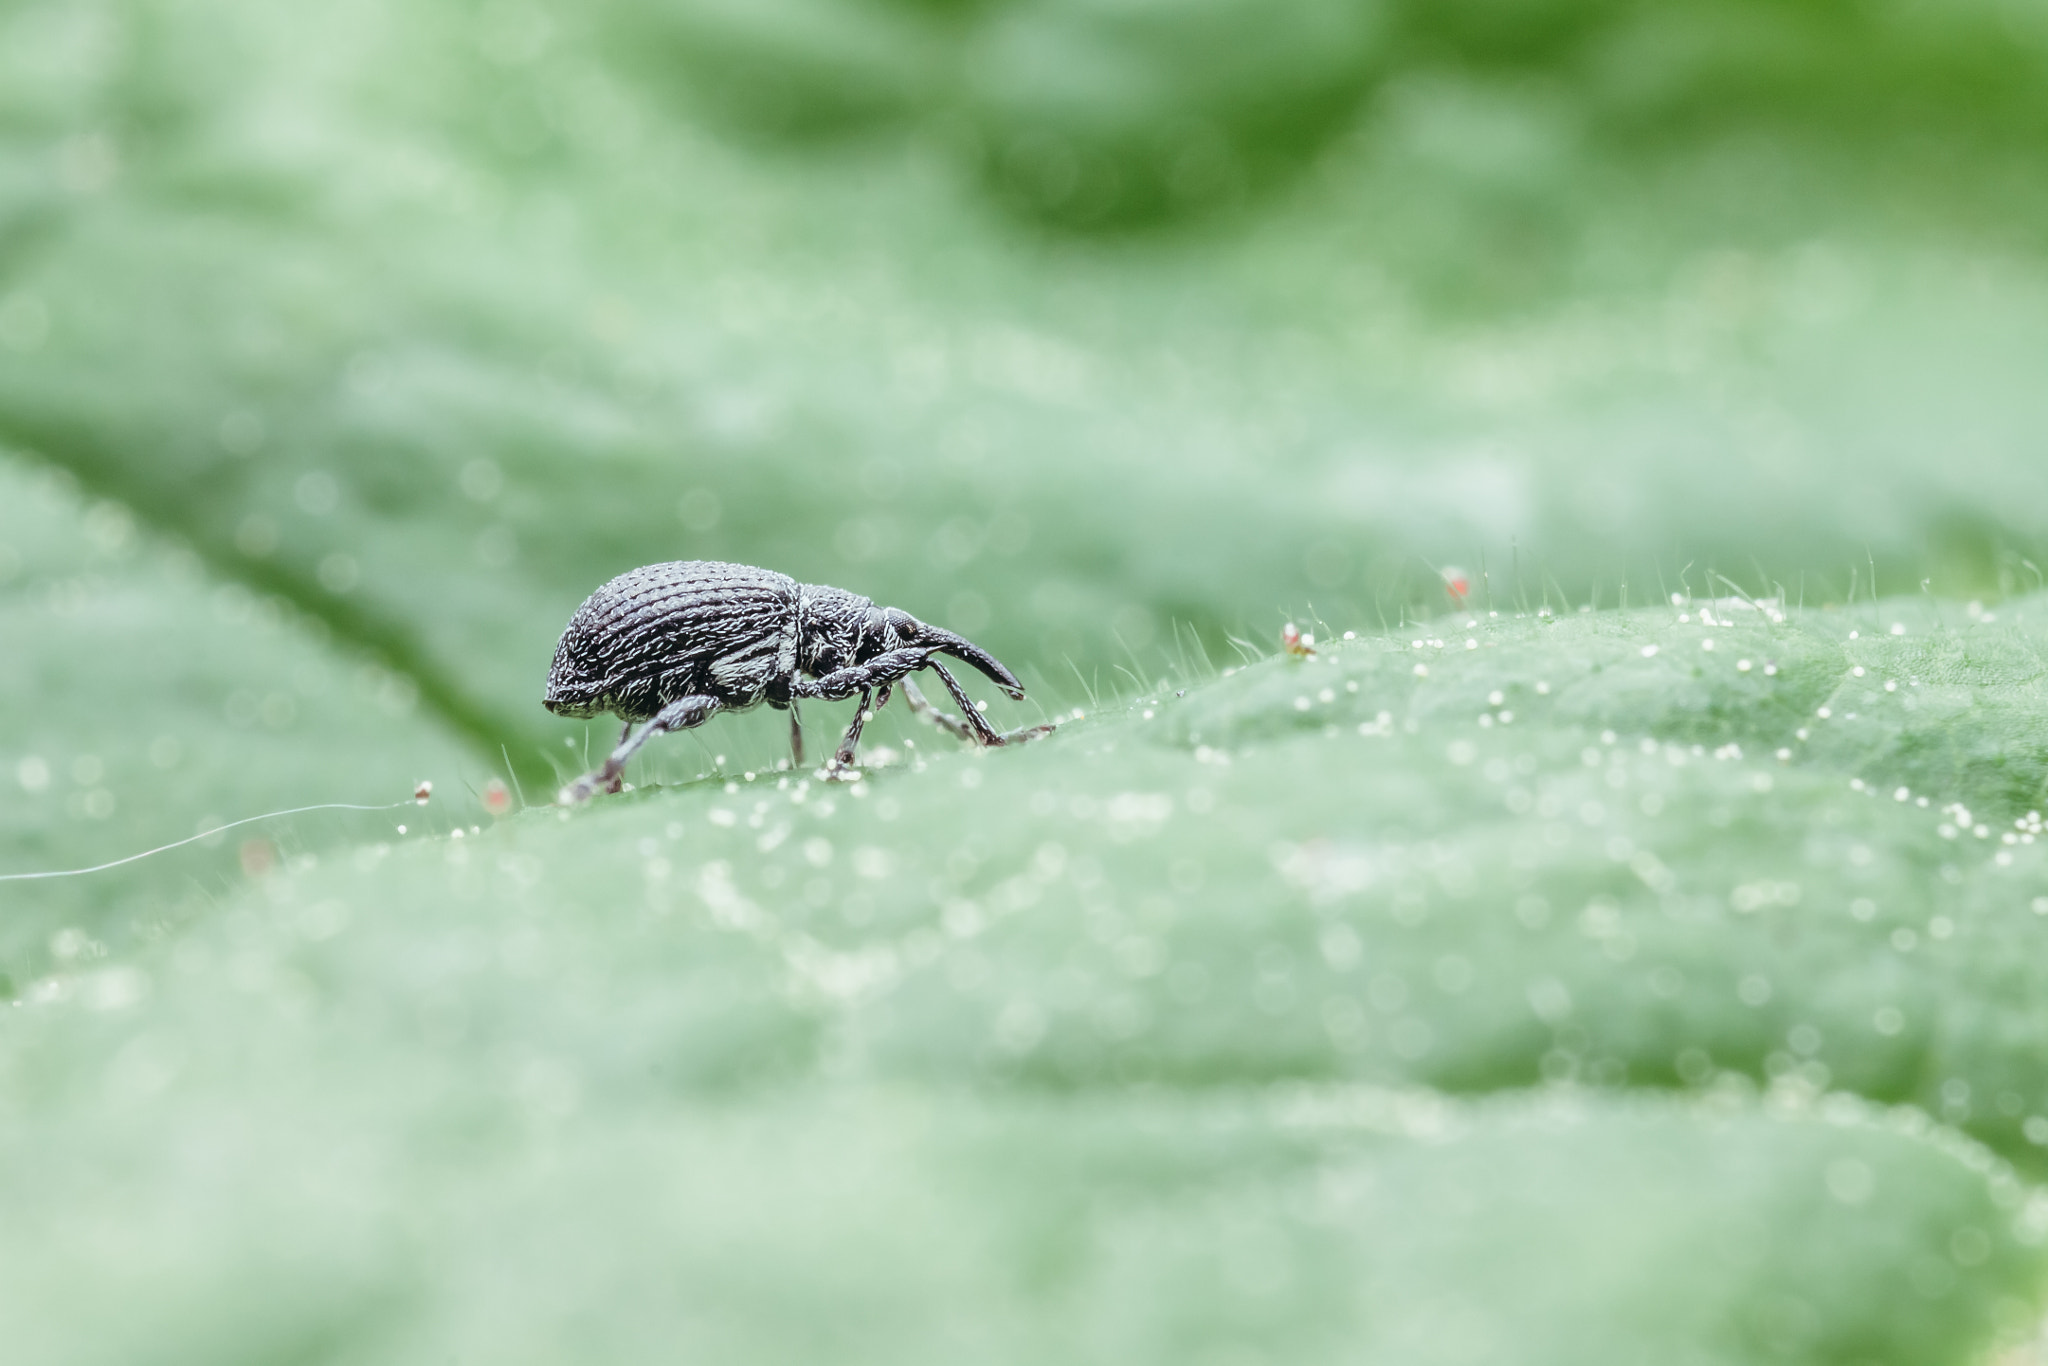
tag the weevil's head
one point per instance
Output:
(577, 680)
(898, 628)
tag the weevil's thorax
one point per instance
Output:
(833, 627)
(878, 634)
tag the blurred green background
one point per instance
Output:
(1605, 967)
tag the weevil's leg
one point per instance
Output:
(869, 710)
(1026, 734)
(979, 730)
(914, 698)
(984, 733)
(882, 669)
(843, 757)
(871, 704)
(625, 732)
(796, 740)
(680, 714)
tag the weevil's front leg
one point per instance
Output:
(975, 728)
(920, 706)
(882, 669)
(984, 733)
(680, 714)
(796, 740)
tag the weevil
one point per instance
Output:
(672, 645)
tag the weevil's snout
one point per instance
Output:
(946, 642)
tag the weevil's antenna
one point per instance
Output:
(418, 798)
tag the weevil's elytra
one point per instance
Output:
(674, 644)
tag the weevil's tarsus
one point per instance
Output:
(961, 730)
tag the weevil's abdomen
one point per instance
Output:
(665, 631)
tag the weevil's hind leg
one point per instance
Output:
(974, 727)
(680, 714)
(625, 734)
(796, 740)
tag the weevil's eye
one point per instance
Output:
(902, 623)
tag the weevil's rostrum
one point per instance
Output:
(674, 644)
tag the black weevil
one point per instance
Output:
(674, 644)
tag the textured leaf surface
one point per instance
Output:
(146, 703)
(1143, 1040)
